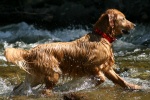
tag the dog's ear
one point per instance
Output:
(111, 18)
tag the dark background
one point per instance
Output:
(53, 14)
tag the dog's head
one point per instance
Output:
(113, 22)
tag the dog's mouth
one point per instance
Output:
(125, 32)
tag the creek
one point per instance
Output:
(132, 55)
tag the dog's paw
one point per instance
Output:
(134, 87)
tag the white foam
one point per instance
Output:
(5, 86)
(2, 58)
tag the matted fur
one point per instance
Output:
(91, 55)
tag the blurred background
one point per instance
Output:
(61, 13)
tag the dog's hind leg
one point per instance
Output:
(50, 82)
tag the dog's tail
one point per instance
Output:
(16, 56)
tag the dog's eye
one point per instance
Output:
(123, 19)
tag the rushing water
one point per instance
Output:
(132, 53)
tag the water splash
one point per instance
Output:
(23, 32)
(75, 85)
(5, 86)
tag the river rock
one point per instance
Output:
(75, 96)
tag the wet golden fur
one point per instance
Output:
(91, 55)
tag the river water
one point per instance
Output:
(132, 54)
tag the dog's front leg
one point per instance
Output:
(111, 74)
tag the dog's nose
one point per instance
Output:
(134, 25)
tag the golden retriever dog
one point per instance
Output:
(90, 55)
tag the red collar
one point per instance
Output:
(104, 35)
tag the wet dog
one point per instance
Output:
(90, 55)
